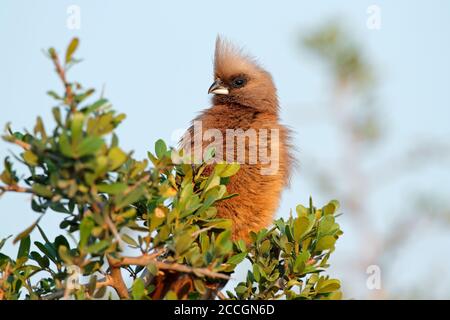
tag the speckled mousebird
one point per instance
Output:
(245, 97)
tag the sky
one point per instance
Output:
(154, 60)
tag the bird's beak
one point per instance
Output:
(218, 88)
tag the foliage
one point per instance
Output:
(331, 43)
(111, 204)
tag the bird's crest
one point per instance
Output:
(230, 59)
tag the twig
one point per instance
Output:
(197, 233)
(14, 188)
(221, 296)
(62, 75)
(114, 231)
(22, 144)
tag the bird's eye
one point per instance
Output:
(239, 82)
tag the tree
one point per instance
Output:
(110, 202)
(362, 169)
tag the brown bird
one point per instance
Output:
(245, 102)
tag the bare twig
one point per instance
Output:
(62, 75)
(14, 188)
(198, 232)
(22, 144)
(221, 296)
(114, 231)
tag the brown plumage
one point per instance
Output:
(245, 97)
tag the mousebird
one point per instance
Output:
(245, 107)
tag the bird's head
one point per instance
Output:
(238, 79)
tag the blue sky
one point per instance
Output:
(155, 60)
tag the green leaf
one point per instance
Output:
(100, 293)
(302, 225)
(152, 268)
(30, 158)
(116, 158)
(237, 258)
(4, 258)
(43, 235)
(155, 222)
(224, 170)
(129, 240)
(61, 241)
(73, 45)
(77, 128)
(328, 286)
(96, 105)
(327, 225)
(41, 190)
(213, 181)
(265, 246)
(138, 289)
(240, 290)
(301, 211)
(24, 247)
(43, 261)
(131, 197)
(183, 242)
(64, 146)
(331, 207)
(91, 284)
(300, 261)
(325, 243)
(27, 231)
(64, 253)
(57, 113)
(54, 95)
(219, 223)
(241, 245)
(114, 188)
(160, 148)
(223, 239)
(2, 243)
(199, 285)
(48, 249)
(89, 146)
(171, 296)
(40, 129)
(86, 226)
(98, 247)
(8, 175)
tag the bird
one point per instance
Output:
(244, 97)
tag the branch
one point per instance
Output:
(145, 260)
(117, 281)
(62, 75)
(22, 144)
(14, 188)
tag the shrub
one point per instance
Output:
(160, 213)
